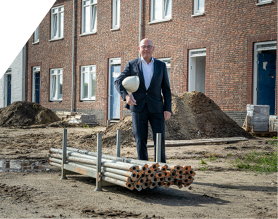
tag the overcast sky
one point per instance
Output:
(18, 19)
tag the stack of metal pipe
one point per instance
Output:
(129, 173)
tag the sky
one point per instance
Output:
(18, 21)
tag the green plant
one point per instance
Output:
(86, 126)
(274, 141)
(258, 162)
(203, 165)
(230, 154)
(212, 158)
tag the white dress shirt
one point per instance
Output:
(147, 71)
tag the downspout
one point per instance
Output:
(24, 72)
(73, 41)
(140, 18)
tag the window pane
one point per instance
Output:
(86, 2)
(61, 25)
(168, 8)
(157, 9)
(36, 35)
(116, 13)
(94, 18)
(168, 72)
(201, 5)
(87, 19)
(53, 86)
(85, 85)
(60, 86)
(93, 87)
(55, 30)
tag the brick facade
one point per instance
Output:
(228, 31)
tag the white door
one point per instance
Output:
(114, 97)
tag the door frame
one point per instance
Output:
(112, 61)
(257, 49)
(35, 69)
(193, 53)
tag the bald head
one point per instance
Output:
(146, 49)
(146, 40)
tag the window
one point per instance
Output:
(161, 10)
(263, 2)
(36, 35)
(116, 14)
(168, 65)
(88, 82)
(57, 22)
(89, 16)
(56, 84)
(199, 6)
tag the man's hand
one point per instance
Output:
(130, 100)
(167, 115)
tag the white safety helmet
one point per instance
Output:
(131, 83)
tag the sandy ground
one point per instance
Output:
(219, 191)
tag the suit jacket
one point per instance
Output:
(159, 84)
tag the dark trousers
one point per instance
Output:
(140, 132)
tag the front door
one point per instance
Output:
(115, 71)
(266, 80)
(37, 87)
(9, 89)
(197, 70)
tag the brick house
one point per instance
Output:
(225, 49)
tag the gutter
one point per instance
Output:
(140, 22)
(73, 57)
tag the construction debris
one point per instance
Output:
(129, 173)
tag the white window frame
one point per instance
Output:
(58, 73)
(163, 15)
(91, 71)
(167, 61)
(59, 12)
(116, 14)
(93, 29)
(197, 10)
(36, 35)
(264, 2)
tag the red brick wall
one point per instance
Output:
(55, 54)
(228, 31)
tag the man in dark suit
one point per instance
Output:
(146, 104)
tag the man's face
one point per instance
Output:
(146, 49)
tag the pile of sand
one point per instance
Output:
(24, 113)
(194, 116)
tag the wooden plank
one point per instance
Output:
(173, 143)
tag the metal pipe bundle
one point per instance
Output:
(129, 173)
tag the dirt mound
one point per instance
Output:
(125, 125)
(197, 116)
(24, 113)
(194, 116)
